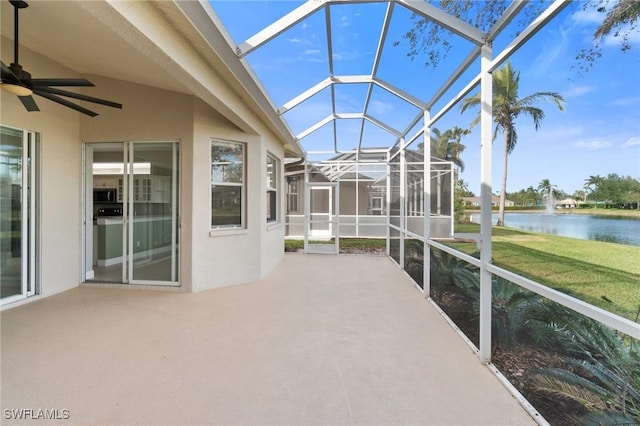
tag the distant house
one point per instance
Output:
(495, 201)
(361, 205)
(567, 203)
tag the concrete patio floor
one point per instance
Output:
(334, 340)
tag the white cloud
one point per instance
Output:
(625, 102)
(380, 108)
(343, 56)
(344, 21)
(305, 25)
(311, 52)
(579, 91)
(294, 40)
(633, 37)
(552, 49)
(593, 145)
(633, 141)
(568, 131)
(587, 17)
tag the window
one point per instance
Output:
(272, 189)
(292, 194)
(376, 206)
(227, 184)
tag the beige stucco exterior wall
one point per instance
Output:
(148, 114)
(222, 257)
(60, 177)
(273, 241)
(225, 257)
(208, 259)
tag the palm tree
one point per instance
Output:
(600, 370)
(548, 190)
(580, 195)
(592, 181)
(447, 145)
(532, 193)
(507, 106)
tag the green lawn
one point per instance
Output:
(345, 243)
(604, 274)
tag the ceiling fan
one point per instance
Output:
(17, 81)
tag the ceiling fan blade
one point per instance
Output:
(76, 82)
(29, 103)
(78, 96)
(8, 75)
(66, 103)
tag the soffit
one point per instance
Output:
(94, 38)
(69, 34)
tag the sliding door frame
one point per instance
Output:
(29, 216)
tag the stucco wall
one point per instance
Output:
(223, 257)
(60, 175)
(148, 114)
(273, 241)
(208, 259)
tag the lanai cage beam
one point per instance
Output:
(278, 27)
(327, 17)
(444, 19)
(305, 95)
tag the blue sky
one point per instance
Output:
(597, 134)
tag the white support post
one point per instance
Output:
(403, 201)
(357, 170)
(388, 202)
(307, 207)
(486, 116)
(453, 181)
(336, 211)
(426, 188)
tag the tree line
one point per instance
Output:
(611, 191)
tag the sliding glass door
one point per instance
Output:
(152, 214)
(18, 154)
(134, 235)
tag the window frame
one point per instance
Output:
(292, 196)
(271, 200)
(242, 185)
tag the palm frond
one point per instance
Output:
(513, 139)
(610, 418)
(615, 381)
(563, 390)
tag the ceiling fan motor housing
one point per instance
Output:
(23, 76)
(19, 4)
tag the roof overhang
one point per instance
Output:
(176, 46)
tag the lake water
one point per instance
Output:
(582, 226)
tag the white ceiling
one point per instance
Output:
(68, 33)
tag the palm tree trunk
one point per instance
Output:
(503, 190)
